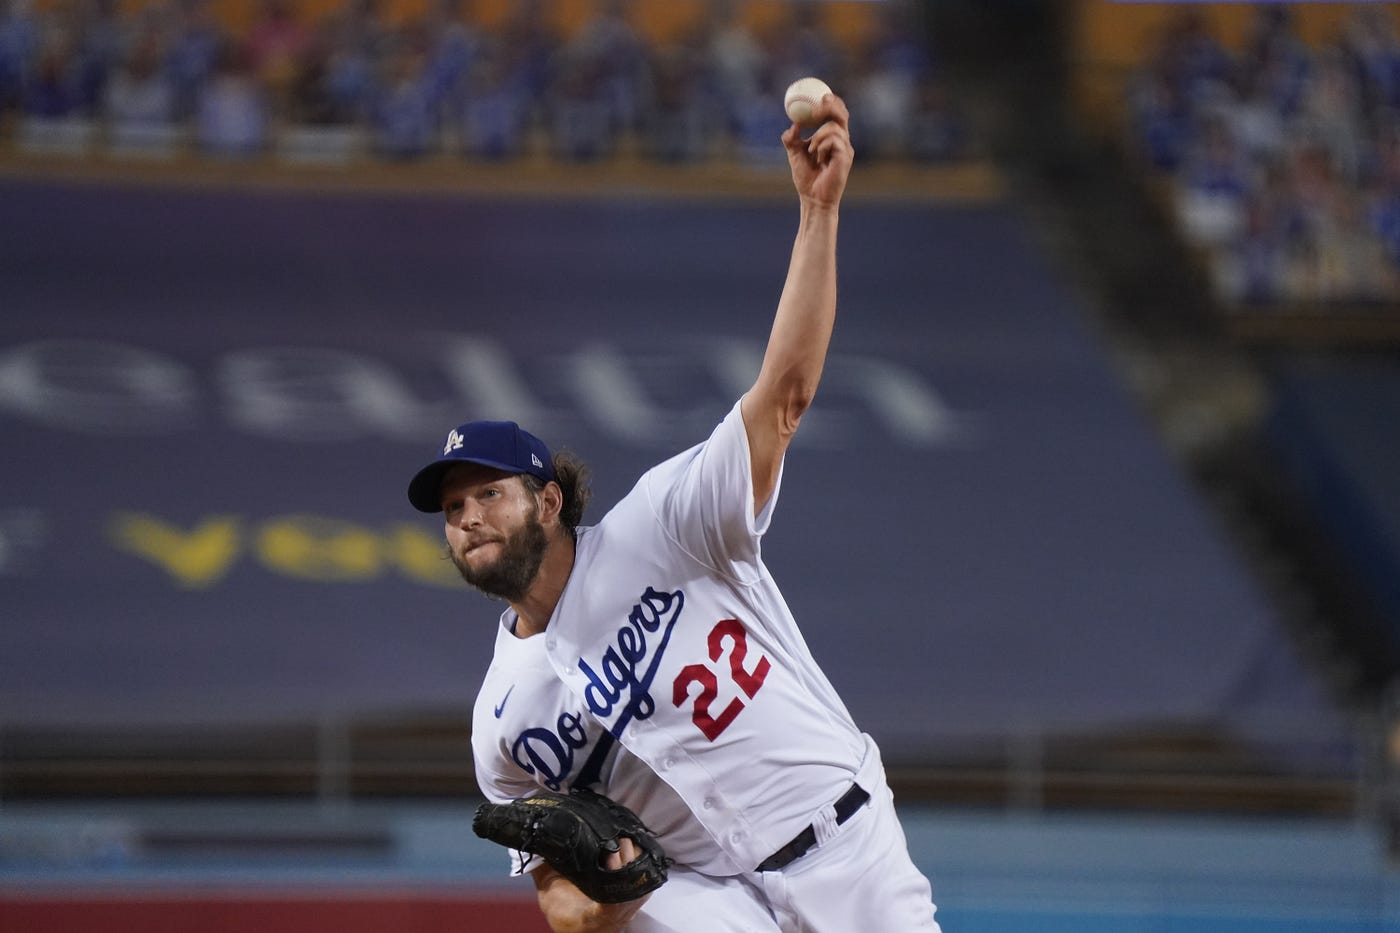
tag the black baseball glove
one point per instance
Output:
(574, 833)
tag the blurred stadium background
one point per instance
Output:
(1096, 525)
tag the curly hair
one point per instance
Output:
(572, 475)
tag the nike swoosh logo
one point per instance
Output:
(502, 708)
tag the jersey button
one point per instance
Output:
(668, 764)
(736, 837)
(708, 803)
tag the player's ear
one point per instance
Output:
(551, 501)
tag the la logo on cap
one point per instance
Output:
(454, 442)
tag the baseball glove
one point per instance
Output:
(574, 833)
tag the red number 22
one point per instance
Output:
(747, 681)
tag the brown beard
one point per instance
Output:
(512, 574)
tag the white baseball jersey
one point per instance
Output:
(672, 675)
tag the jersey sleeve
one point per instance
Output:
(703, 499)
(498, 786)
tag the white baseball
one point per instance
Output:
(802, 98)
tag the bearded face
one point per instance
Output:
(509, 576)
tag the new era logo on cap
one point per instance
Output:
(503, 445)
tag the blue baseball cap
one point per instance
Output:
(500, 444)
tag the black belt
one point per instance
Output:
(850, 802)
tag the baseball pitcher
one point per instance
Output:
(658, 747)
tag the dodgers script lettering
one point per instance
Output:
(618, 673)
(620, 682)
(550, 752)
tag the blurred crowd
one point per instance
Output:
(1283, 157)
(80, 75)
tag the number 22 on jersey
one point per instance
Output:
(747, 680)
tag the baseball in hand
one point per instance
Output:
(802, 98)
